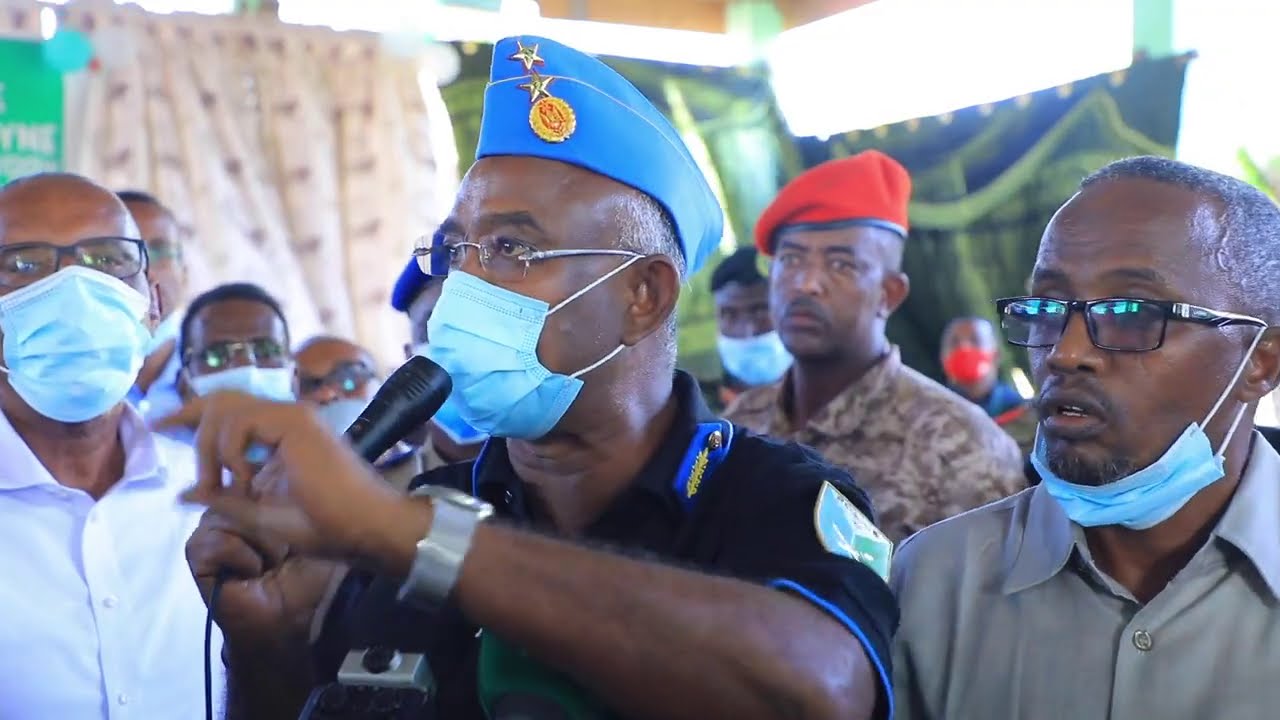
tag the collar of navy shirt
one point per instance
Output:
(1042, 544)
(691, 452)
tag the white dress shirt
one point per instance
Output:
(99, 615)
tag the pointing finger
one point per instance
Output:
(187, 416)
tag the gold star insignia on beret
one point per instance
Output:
(537, 87)
(527, 55)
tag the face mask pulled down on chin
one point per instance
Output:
(486, 338)
(1148, 497)
(74, 342)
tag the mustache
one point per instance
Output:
(1084, 393)
(805, 306)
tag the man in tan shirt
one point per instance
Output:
(921, 451)
(1141, 578)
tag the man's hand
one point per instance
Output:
(315, 496)
(267, 600)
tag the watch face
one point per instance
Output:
(455, 497)
(472, 503)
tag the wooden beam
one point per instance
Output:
(801, 12)
(702, 15)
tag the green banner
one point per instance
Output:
(30, 111)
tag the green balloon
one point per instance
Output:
(67, 51)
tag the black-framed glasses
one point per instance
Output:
(345, 378)
(1119, 324)
(263, 352)
(502, 259)
(24, 263)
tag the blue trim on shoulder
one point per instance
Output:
(838, 614)
(689, 477)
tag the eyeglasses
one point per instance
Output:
(24, 263)
(502, 259)
(1119, 324)
(163, 249)
(263, 352)
(346, 378)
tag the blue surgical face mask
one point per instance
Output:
(167, 330)
(449, 419)
(757, 360)
(1153, 494)
(339, 414)
(267, 383)
(486, 338)
(74, 342)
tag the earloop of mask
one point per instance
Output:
(1226, 393)
(630, 261)
(599, 362)
(591, 286)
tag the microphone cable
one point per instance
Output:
(409, 397)
(208, 645)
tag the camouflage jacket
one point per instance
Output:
(921, 451)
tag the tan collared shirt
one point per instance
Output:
(921, 451)
(1005, 615)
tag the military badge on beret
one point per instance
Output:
(551, 118)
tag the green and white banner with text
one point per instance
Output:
(31, 111)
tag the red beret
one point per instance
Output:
(869, 187)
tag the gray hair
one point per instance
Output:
(644, 227)
(1248, 250)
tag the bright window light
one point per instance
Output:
(204, 7)
(1022, 383)
(48, 22)
(1228, 103)
(447, 23)
(893, 60)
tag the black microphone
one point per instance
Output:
(406, 401)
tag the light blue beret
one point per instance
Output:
(550, 101)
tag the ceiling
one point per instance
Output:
(703, 15)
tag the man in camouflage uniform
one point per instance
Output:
(923, 453)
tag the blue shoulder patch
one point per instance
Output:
(708, 449)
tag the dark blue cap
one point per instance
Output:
(550, 101)
(409, 285)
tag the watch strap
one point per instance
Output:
(438, 559)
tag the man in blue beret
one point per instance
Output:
(447, 438)
(616, 550)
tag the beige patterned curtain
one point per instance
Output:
(302, 159)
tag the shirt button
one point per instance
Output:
(1142, 640)
(109, 602)
(122, 699)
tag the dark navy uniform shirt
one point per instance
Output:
(752, 516)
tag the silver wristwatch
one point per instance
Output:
(439, 557)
